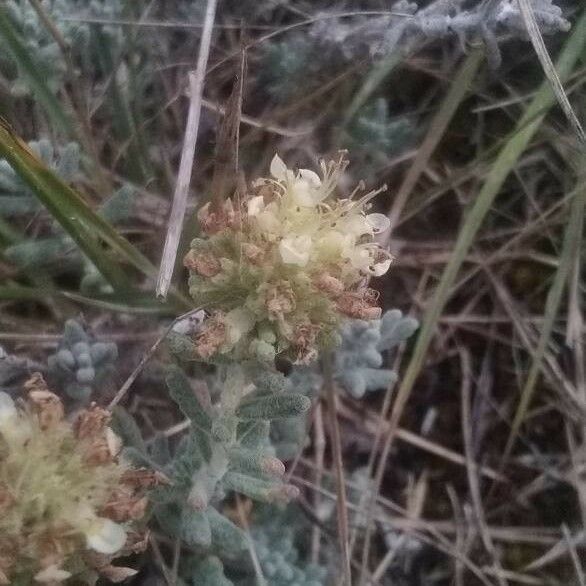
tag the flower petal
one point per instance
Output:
(303, 193)
(380, 268)
(311, 177)
(278, 168)
(105, 536)
(378, 222)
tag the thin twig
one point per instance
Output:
(319, 447)
(342, 510)
(146, 357)
(196, 83)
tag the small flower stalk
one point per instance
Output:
(282, 268)
(68, 504)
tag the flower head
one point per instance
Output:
(64, 494)
(297, 260)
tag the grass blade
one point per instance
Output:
(572, 236)
(124, 123)
(548, 67)
(502, 166)
(84, 226)
(458, 91)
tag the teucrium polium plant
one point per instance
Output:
(282, 272)
(279, 270)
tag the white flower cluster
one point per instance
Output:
(309, 228)
(102, 535)
(281, 269)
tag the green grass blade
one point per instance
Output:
(572, 237)
(141, 304)
(124, 124)
(503, 165)
(85, 227)
(458, 91)
(33, 73)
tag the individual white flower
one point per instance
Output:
(105, 536)
(304, 187)
(359, 224)
(238, 322)
(380, 268)
(295, 250)
(365, 258)
(101, 534)
(52, 574)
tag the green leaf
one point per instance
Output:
(210, 572)
(255, 462)
(274, 406)
(124, 425)
(195, 528)
(182, 393)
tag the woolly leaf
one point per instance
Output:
(182, 393)
(254, 434)
(181, 346)
(395, 329)
(269, 382)
(255, 463)
(125, 426)
(195, 528)
(274, 406)
(210, 572)
(258, 488)
(227, 539)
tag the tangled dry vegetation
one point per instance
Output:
(442, 441)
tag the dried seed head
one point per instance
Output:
(212, 336)
(203, 263)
